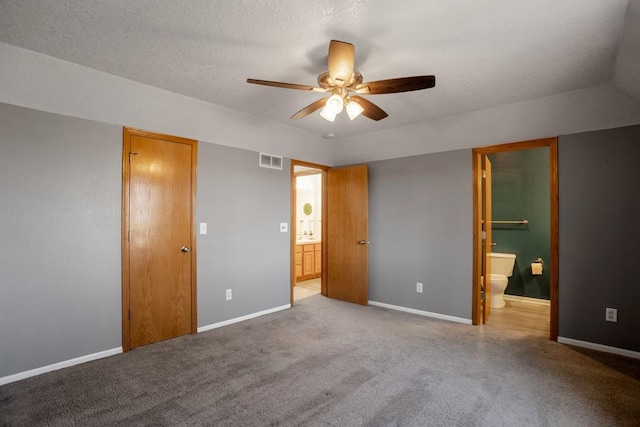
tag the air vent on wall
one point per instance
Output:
(269, 161)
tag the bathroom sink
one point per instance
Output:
(308, 240)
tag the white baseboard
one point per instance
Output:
(421, 312)
(600, 347)
(64, 364)
(242, 318)
(89, 357)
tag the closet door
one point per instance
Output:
(158, 238)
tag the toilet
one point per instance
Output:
(501, 269)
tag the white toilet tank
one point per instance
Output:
(502, 263)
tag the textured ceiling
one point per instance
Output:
(483, 53)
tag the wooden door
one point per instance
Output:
(347, 234)
(487, 240)
(158, 238)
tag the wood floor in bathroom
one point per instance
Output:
(523, 314)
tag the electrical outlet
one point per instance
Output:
(611, 314)
(229, 294)
(419, 287)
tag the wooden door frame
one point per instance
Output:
(477, 153)
(486, 216)
(126, 148)
(292, 230)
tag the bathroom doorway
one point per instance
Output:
(308, 182)
(530, 300)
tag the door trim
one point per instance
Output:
(292, 233)
(126, 148)
(477, 153)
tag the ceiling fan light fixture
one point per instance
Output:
(342, 82)
(354, 109)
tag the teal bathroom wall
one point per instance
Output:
(521, 190)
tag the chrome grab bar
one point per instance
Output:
(524, 221)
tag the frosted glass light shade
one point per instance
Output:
(327, 114)
(354, 109)
(335, 103)
(334, 106)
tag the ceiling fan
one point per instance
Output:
(345, 85)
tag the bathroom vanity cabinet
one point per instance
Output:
(308, 259)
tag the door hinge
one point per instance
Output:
(129, 314)
(484, 172)
(128, 236)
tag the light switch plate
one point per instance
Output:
(284, 227)
(203, 228)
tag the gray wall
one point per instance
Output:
(244, 250)
(60, 256)
(599, 200)
(60, 209)
(420, 229)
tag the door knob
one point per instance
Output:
(185, 249)
(363, 242)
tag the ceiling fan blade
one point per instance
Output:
(310, 108)
(341, 62)
(404, 84)
(371, 110)
(286, 85)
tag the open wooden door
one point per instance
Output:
(347, 234)
(487, 240)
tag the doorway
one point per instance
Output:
(307, 226)
(343, 231)
(158, 238)
(483, 242)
